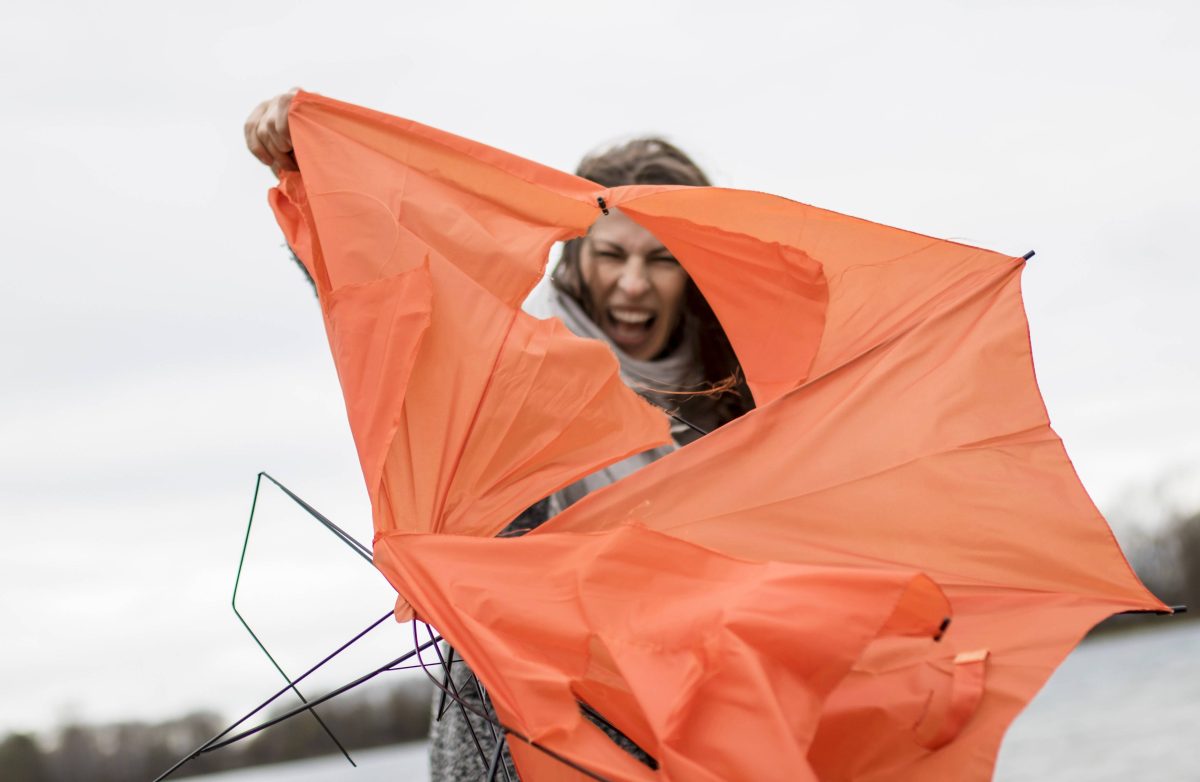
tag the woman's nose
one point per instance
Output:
(634, 281)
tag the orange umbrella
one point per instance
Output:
(899, 431)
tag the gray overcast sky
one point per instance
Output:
(158, 348)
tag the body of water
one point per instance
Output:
(1121, 707)
(403, 763)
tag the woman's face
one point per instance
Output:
(634, 285)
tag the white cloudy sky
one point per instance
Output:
(158, 349)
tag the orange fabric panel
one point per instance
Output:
(741, 272)
(909, 453)
(464, 410)
(745, 607)
(716, 667)
(377, 182)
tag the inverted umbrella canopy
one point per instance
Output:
(714, 666)
(898, 431)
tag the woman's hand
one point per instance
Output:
(267, 135)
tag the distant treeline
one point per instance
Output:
(140, 751)
(1167, 560)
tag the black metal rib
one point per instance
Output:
(685, 422)
(497, 736)
(262, 647)
(206, 745)
(453, 689)
(316, 702)
(1179, 609)
(359, 548)
(507, 730)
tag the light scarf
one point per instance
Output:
(676, 371)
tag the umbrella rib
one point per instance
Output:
(245, 624)
(357, 546)
(211, 743)
(453, 690)
(507, 730)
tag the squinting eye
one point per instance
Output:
(609, 256)
(665, 259)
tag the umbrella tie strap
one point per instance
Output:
(966, 691)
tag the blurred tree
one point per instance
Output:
(21, 759)
(77, 755)
(409, 710)
(124, 751)
(1160, 533)
(1186, 534)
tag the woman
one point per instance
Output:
(619, 284)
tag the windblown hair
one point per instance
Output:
(653, 161)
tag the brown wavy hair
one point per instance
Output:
(653, 161)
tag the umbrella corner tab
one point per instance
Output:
(403, 611)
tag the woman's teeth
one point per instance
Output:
(631, 317)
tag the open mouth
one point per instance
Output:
(629, 327)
